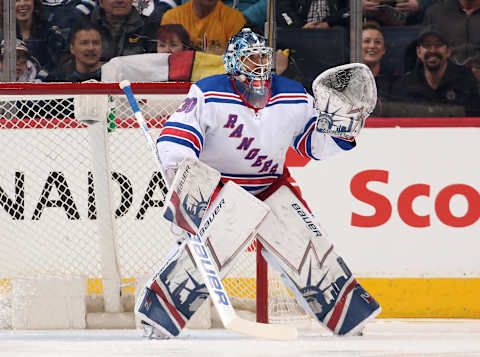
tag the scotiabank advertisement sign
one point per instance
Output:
(404, 203)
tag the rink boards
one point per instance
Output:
(402, 209)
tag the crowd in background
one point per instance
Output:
(70, 40)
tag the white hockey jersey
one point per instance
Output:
(246, 146)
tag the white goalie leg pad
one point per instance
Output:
(229, 221)
(176, 292)
(301, 251)
(230, 224)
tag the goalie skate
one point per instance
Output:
(154, 333)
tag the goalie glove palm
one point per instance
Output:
(344, 97)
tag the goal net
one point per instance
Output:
(80, 223)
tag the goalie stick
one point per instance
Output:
(196, 244)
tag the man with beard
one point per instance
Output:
(436, 83)
(460, 21)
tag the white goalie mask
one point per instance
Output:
(344, 97)
(249, 61)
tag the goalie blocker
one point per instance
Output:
(293, 243)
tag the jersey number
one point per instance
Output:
(187, 105)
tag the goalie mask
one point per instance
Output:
(249, 61)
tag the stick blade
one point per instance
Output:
(266, 331)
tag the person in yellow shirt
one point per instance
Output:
(209, 22)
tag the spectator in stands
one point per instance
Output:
(312, 14)
(122, 28)
(395, 12)
(28, 18)
(61, 15)
(437, 80)
(254, 11)
(85, 49)
(373, 51)
(414, 10)
(27, 67)
(460, 19)
(43, 43)
(210, 23)
(152, 12)
(172, 38)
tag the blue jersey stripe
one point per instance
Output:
(222, 100)
(287, 102)
(299, 137)
(309, 146)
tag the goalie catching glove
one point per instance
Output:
(344, 97)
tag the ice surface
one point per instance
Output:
(382, 337)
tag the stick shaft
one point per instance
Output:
(211, 276)
(195, 243)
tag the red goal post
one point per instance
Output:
(80, 207)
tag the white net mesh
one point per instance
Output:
(48, 218)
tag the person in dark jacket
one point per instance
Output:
(43, 41)
(85, 49)
(396, 13)
(436, 80)
(122, 28)
(62, 15)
